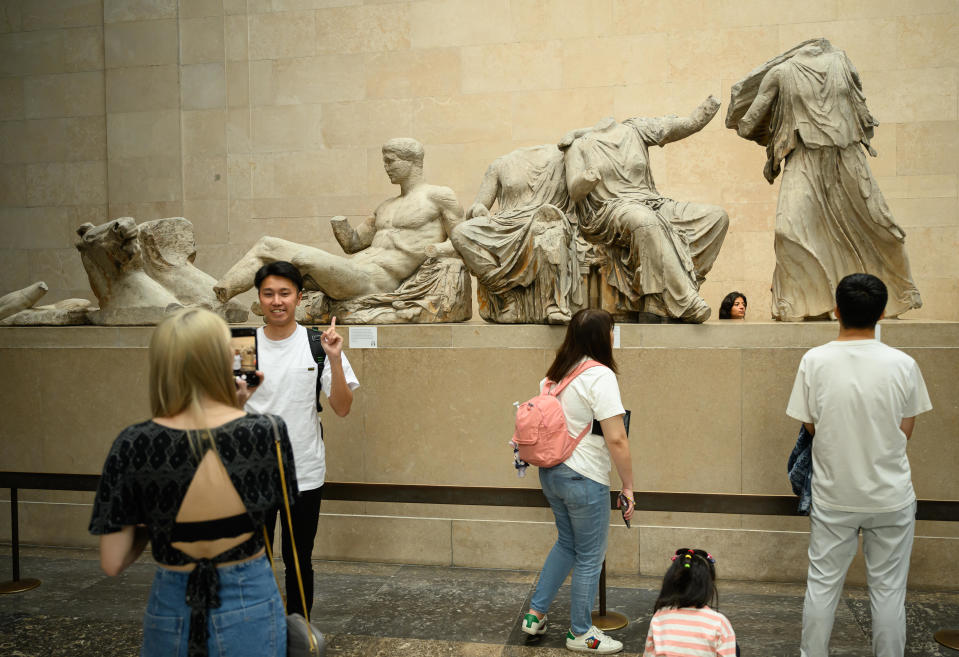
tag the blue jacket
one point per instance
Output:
(799, 468)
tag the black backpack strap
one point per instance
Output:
(316, 349)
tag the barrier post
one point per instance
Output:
(16, 585)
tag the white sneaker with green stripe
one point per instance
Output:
(594, 641)
(533, 625)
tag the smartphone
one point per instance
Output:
(623, 505)
(243, 346)
(598, 428)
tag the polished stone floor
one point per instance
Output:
(381, 610)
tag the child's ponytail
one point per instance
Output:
(689, 582)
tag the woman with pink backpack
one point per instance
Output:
(577, 487)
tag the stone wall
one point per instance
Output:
(435, 407)
(255, 117)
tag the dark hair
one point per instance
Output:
(726, 306)
(280, 268)
(689, 582)
(588, 334)
(861, 298)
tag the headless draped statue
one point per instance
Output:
(807, 107)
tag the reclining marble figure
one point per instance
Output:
(524, 255)
(807, 107)
(659, 250)
(392, 278)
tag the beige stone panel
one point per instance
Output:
(697, 158)
(945, 528)
(239, 172)
(459, 166)
(61, 269)
(333, 171)
(73, 94)
(31, 53)
(925, 212)
(54, 524)
(203, 86)
(204, 178)
(39, 140)
(932, 454)
(928, 41)
(146, 43)
(217, 259)
(912, 95)
(850, 9)
(13, 185)
(927, 148)
(483, 335)
(59, 14)
(885, 144)
(201, 40)
(142, 88)
(11, 99)
(512, 67)
(238, 84)
(239, 129)
(367, 123)
(939, 297)
(14, 269)
(918, 187)
(535, 20)
(933, 251)
(759, 256)
(751, 217)
(115, 11)
(502, 544)
(311, 80)
(870, 44)
(462, 119)
(662, 98)
(201, 8)
(777, 523)
(20, 366)
(413, 73)
(912, 333)
(363, 28)
(146, 210)
(11, 18)
(83, 49)
(925, 566)
(143, 134)
(665, 15)
(711, 424)
(755, 189)
(759, 12)
(236, 38)
(204, 131)
(768, 434)
(682, 519)
(144, 179)
(303, 230)
(231, 7)
(282, 35)
(287, 128)
(71, 183)
(612, 61)
(383, 539)
(716, 54)
(85, 138)
(210, 221)
(261, 82)
(740, 554)
(459, 23)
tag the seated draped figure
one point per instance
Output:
(658, 250)
(524, 255)
(392, 278)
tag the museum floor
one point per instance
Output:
(380, 610)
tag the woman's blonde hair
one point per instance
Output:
(190, 359)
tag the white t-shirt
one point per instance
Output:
(289, 390)
(856, 393)
(594, 394)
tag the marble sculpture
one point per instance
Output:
(398, 275)
(807, 107)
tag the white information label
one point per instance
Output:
(362, 337)
(616, 337)
(878, 332)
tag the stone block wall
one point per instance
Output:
(255, 117)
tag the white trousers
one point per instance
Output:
(887, 546)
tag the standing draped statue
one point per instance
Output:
(524, 255)
(807, 107)
(659, 250)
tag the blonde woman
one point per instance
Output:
(197, 481)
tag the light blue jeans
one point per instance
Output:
(581, 508)
(249, 622)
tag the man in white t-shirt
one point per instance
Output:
(860, 399)
(289, 390)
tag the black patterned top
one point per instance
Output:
(146, 476)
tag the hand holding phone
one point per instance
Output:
(625, 505)
(245, 351)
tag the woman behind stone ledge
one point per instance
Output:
(832, 219)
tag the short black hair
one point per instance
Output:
(726, 307)
(280, 268)
(861, 298)
(689, 582)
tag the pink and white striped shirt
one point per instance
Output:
(690, 632)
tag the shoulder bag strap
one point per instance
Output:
(579, 369)
(315, 336)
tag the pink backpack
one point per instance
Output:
(541, 435)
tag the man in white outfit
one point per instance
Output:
(859, 398)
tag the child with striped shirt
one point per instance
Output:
(683, 623)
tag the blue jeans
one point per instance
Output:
(581, 508)
(249, 622)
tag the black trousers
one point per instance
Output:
(306, 515)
